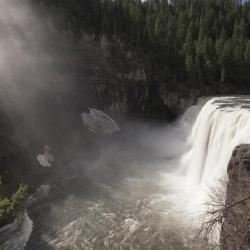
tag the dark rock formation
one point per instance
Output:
(235, 234)
(127, 85)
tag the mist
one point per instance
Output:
(37, 74)
(112, 181)
(45, 99)
(105, 191)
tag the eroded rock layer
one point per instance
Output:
(235, 232)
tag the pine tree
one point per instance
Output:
(198, 67)
(188, 46)
(200, 50)
(247, 61)
(247, 53)
(190, 68)
(183, 39)
(226, 61)
(219, 45)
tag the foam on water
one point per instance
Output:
(159, 207)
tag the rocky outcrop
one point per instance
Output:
(15, 236)
(235, 234)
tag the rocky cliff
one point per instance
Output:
(126, 83)
(235, 234)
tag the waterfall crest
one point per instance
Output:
(221, 125)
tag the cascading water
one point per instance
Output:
(119, 193)
(150, 204)
(116, 191)
(221, 125)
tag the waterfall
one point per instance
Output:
(221, 124)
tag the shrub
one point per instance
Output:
(9, 207)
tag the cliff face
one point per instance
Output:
(133, 87)
(235, 234)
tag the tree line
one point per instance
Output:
(192, 41)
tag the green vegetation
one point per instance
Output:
(9, 207)
(186, 41)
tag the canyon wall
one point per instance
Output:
(235, 233)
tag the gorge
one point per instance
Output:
(128, 191)
(137, 151)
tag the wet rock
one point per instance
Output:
(235, 233)
(15, 236)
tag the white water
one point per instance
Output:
(130, 214)
(221, 125)
(214, 130)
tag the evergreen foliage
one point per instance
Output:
(9, 207)
(192, 41)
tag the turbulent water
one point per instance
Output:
(141, 187)
(144, 187)
(104, 191)
(136, 197)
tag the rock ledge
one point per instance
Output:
(235, 233)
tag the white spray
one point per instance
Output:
(221, 125)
